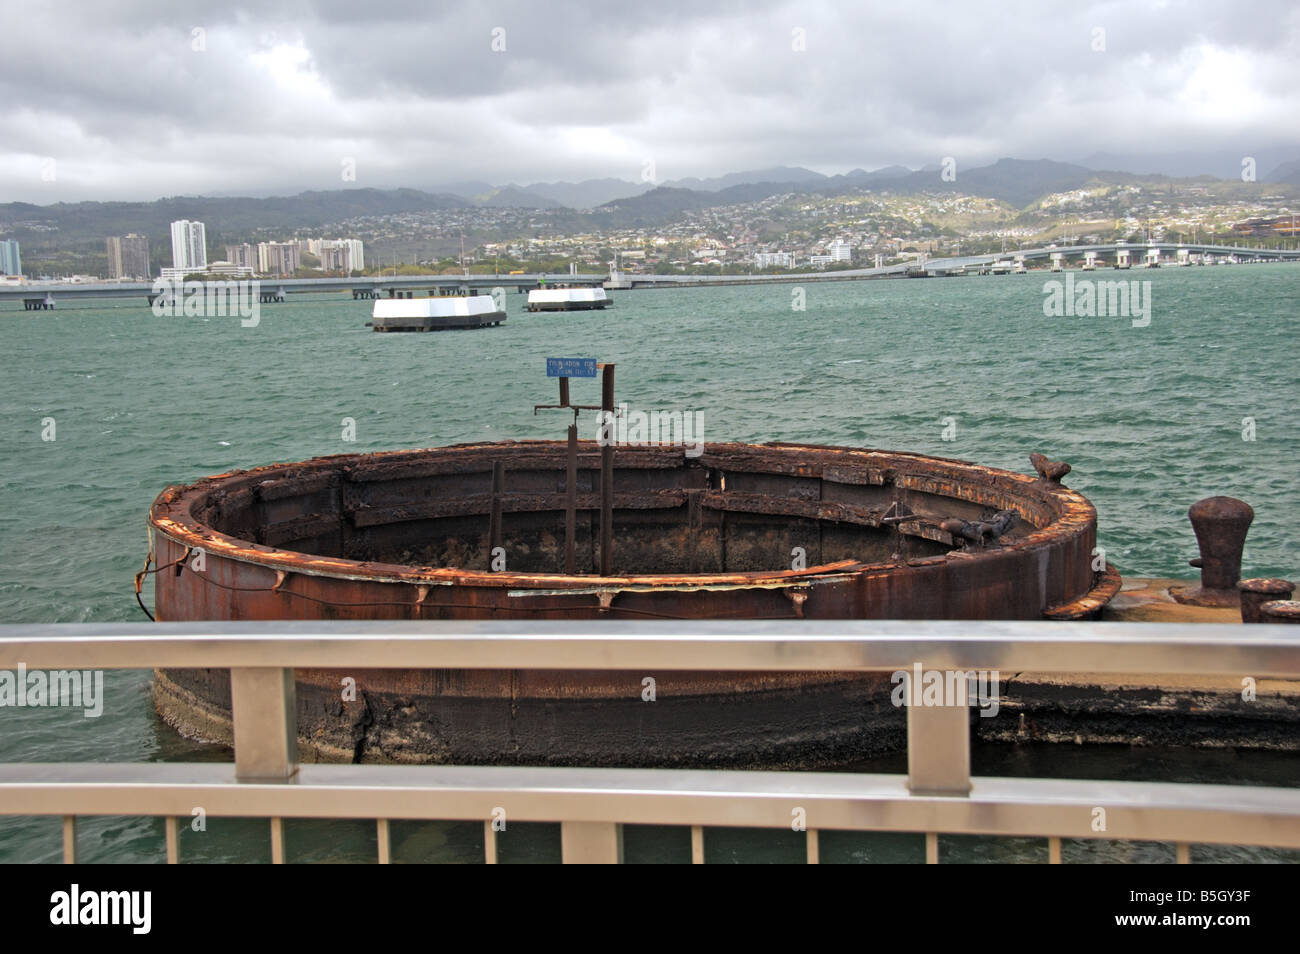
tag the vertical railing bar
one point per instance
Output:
(385, 845)
(589, 843)
(814, 847)
(264, 716)
(697, 844)
(938, 748)
(931, 847)
(277, 841)
(69, 839)
(1054, 850)
(172, 828)
(1184, 853)
(489, 843)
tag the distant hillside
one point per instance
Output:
(513, 197)
(78, 229)
(659, 205)
(589, 193)
(1017, 181)
(861, 176)
(792, 174)
(1288, 172)
(68, 237)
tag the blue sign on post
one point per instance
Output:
(570, 367)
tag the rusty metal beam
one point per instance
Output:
(498, 491)
(571, 500)
(607, 476)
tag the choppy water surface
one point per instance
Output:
(1151, 418)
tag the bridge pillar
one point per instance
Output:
(1089, 261)
(1057, 261)
(1153, 258)
(1184, 257)
(1122, 258)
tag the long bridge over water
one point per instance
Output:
(39, 296)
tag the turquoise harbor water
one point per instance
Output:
(1151, 418)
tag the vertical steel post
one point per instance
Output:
(938, 749)
(607, 474)
(264, 712)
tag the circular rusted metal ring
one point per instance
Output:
(1056, 513)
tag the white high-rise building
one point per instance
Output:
(277, 258)
(841, 251)
(341, 255)
(11, 263)
(128, 256)
(189, 245)
(243, 254)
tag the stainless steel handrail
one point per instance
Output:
(937, 795)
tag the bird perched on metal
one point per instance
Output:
(1052, 470)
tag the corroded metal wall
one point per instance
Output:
(406, 535)
(342, 537)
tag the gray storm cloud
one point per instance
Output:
(276, 97)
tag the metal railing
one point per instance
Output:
(937, 795)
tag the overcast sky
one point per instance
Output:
(141, 100)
